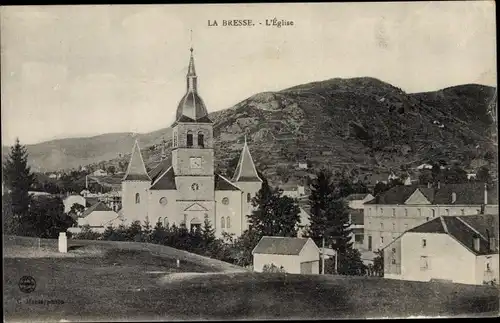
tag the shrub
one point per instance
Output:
(272, 268)
(87, 234)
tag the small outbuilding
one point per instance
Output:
(294, 255)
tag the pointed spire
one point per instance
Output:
(245, 170)
(191, 74)
(136, 170)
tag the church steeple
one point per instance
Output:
(246, 171)
(191, 77)
(136, 170)
(191, 105)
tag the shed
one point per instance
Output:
(295, 255)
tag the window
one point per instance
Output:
(225, 201)
(394, 227)
(249, 197)
(393, 261)
(222, 223)
(462, 211)
(393, 212)
(488, 267)
(201, 142)
(424, 243)
(433, 214)
(381, 211)
(228, 222)
(427, 219)
(137, 198)
(393, 250)
(165, 222)
(382, 240)
(159, 220)
(447, 211)
(419, 212)
(406, 212)
(189, 139)
(424, 264)
(382, 225)
(478, 211)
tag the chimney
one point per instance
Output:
(476, 243)
(485, 194)
(453, 197)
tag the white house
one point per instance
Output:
(100, 172)
(295, 255)
(458, 249)
(72, 199)
(293, 191)
(98, 217)
(302, 165)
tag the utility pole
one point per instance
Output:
(323, 257)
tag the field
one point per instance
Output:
(120, 281)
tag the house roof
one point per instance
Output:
(223, 184)
(96, 207)
(280, 245)
(136, 170)
(245, 170)
(356, 196)
(465, 229)
(466, 194)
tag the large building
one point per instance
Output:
(185, 190)
(404, 207)
(459, 249)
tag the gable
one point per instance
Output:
(417, 198)
(309, 247)
(195, 207)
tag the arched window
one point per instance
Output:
(228, 222)
(189, 139)
(201, 141)
(137, 198)
(222, 224)
(433, 213)
(249, 197)
(165, 222)
(159, 220)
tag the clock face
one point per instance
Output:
(195, 187)
(195, 162)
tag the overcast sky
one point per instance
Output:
(71, 71)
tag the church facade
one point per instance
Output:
(187, 190)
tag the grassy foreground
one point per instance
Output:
(131, 281)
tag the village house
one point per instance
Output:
(73, 199)
(293, 190)
(458, 249)
(97, 217)
(295, 255)
(302, 166)
(404, 207)
(99, 173)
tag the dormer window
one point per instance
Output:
(201, 142)
(189, 139)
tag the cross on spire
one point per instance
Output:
(191, 40)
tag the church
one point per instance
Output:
(187, 190)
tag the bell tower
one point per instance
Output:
(193, 152)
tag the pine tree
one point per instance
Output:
(109, 233)
(207, 233)
(146, 230)
(322, 191)
(134, 231)
(159, 234)
(338, 231)
(18, 180)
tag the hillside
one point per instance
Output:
(359, 123)
(127, 281)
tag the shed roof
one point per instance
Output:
(280, 245)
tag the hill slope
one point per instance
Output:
(358, 123)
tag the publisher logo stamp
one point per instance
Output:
(27, 284)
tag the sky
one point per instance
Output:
(72, 71)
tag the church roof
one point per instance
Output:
(223, 184)
(191, 105)
(165, 181)
(161, 168)
(136, 170)
(245, 170)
